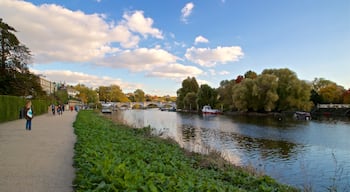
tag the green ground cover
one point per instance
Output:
(114, 157)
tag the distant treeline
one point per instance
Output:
(273, 90)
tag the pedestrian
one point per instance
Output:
(53, 109)
(59, 110)
(28, 114)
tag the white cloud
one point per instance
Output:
(137, 22)
(138, 60)
(201, 39)
(175, 71)
(224, 73)
(212, 72)
(186, 11)
(210, 57)
(92, 81)
(56, 34)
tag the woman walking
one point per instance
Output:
(28, 114)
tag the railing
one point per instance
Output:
(334, 106)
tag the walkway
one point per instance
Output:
(39, 160)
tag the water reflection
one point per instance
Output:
(294, 152)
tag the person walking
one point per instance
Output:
(28, 114)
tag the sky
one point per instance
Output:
(154, 45)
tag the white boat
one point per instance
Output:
(208, 110)
(106, 108)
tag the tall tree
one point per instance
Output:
(190, 101)
(346, 97)
(117, 94)
(327, 91)
(139, 95)
(188, 85)
(264, 93)
(332, 93)
(86, 95)
(225, 94)
(13, 65)
(206, 96)
(293, 93)
(250, 74)
(242, 95)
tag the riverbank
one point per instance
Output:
(111, 156)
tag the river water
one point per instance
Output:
(307, 154)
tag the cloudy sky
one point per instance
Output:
(153, 45)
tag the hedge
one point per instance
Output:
(11, 106)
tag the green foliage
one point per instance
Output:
(190, 101)
(86, 95)
(112, 93)
(242, 94)
(11, 106)
(110, 157)
(188, 85)
(294, 94)
(225, 94)
(139, 95)
(206, 96)
(15, 78)
(62, 96)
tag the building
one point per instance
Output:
(47, 86)
(72, 93)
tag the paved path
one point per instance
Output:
(39, 160)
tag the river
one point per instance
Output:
(312, 155)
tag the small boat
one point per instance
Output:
(106, 108)
(301, 115)
(208, 110)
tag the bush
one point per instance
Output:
(111, 157)
(11, 106)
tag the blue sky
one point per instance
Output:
(153, 45)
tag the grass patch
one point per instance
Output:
(114, 157)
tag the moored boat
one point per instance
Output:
(301, 115)
(208, 110)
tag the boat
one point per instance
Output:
(171, 109)
(208, 110)
(301, 115)
(106, 108)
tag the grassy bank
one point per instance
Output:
(113, 157)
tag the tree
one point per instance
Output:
(250, 74)
(15, 78)
(239, 79)
(62, 96)
(190, 101)
(264, 93)
(117, 94)
(293, 93)
(188, 85)
(86, 95)
(242, 95)
(332, 93)
(139, 95)
(225, 94)
(206, 96)
(327, 91)
(104, 93)
(346, 97)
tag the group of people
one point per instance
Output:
(59, 108)
(28, 112)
